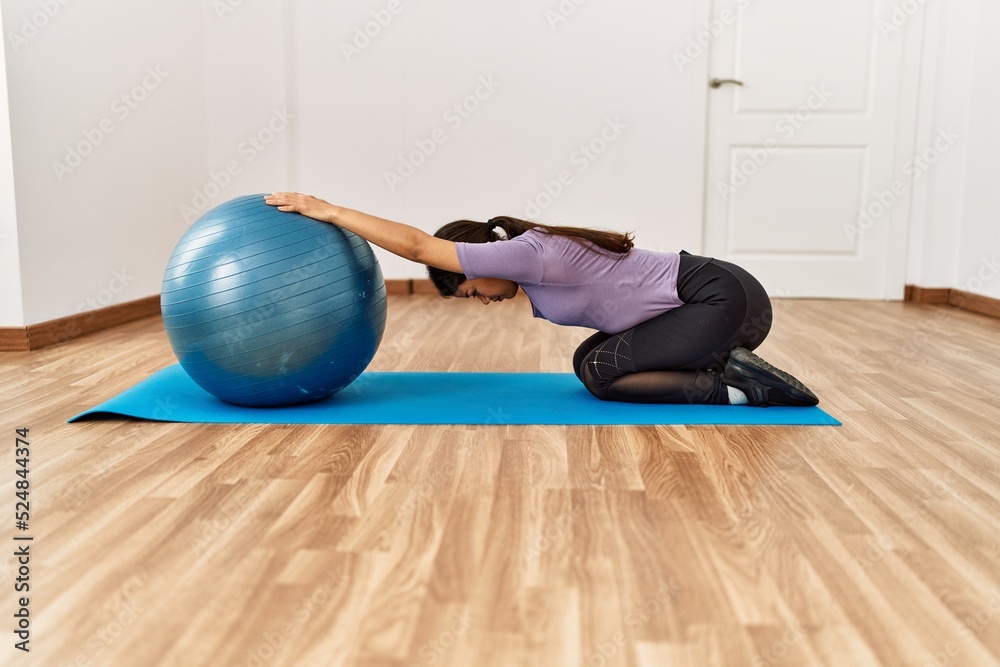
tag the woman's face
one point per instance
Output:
(487, 289)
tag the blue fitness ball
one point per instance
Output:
(268, 308)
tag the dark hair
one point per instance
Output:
(470, 231)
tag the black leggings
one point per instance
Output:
(678, 357)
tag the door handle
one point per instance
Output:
(715, 83)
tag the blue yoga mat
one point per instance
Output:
(435, 398)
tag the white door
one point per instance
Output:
(808, 166)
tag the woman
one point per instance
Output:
(671, 328)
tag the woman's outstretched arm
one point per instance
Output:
(408, 242)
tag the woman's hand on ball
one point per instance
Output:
(307, 205)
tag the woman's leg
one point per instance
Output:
(678, 357)
(585, 348)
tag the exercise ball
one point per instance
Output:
(268, 308)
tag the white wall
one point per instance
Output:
(100, 231)
(979, 250)
(553, 85)
(11, 304)
(955, 232)
(249, 122)
(267, 91)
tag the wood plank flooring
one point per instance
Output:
(877, 543)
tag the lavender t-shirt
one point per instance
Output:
(576, 284)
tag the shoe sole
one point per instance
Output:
(750, 363)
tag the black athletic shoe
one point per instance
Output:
(764, 384)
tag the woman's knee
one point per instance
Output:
(578, 358)
(595, 384)
(584, 349)
(606, 363)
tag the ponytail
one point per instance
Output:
(615, 242)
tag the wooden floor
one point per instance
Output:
(877, 543)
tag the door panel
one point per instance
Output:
(772, 218)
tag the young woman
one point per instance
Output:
(671, 327)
